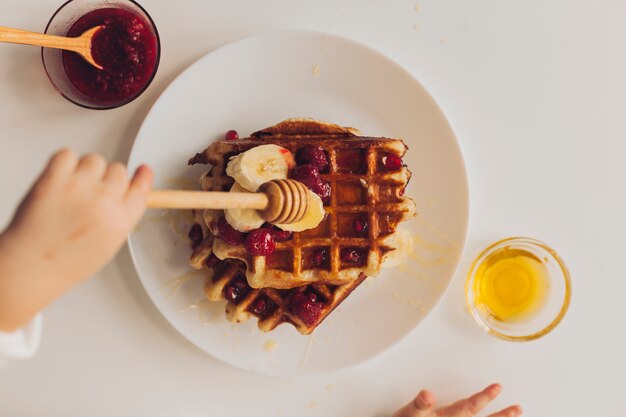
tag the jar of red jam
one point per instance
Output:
(127, 47)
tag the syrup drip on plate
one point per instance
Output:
(178, 282)
(205, 310)
(178, 221)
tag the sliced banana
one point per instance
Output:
(243, 220)
(312, 218)
(259, 165)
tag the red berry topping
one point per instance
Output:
(309, 175)
(359, 226)
(313, 155)
(261, 306)
(392, 162)
(320, 257)
(323, 190)
(228, 234)
(350, 256)
(231, 294)
(212, 260)
(236, 290)
(260, 242)
(305, 305)
(195, 234)
(231, 135)
(279, 234)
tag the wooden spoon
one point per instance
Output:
(80, 45)
(279, 201)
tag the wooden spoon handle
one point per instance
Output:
(24, 37)
(177, 199)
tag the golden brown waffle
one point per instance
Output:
(270, 306)
(361, 188)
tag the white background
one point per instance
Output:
(536, 93)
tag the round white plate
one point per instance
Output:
(252, 84)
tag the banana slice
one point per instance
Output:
(259, 165)
(243, 220)
(312, 218)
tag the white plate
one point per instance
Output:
(252, 84)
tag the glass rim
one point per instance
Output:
(123, 103)
(564, 274)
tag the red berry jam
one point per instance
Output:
(279, 234)
(260, 242)
(263, 306)
(313, 155)
(236, 290)
(351, 256)
(305, 305)
(231, 135)
(309, 175)
(359, 226)
(126, 47)
(392, 162)
(231, 293)
(228, 234)
(320, 258)
(323, 190)
(260, 306)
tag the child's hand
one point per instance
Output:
(72, 222)
(424, 405)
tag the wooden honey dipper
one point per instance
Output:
(279, 201)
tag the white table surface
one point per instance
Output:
(536, 93)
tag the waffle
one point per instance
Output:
(361, 188)
(270, 306)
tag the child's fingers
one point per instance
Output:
(512, 411)
(472, 405)
(421, 406)
(116, 177)
(61, 164)
(137, 193)
(92, 165)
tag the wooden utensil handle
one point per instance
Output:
(25, 37)
(177, 199)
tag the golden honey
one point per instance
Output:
(511, 285)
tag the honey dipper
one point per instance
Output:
(278, 202)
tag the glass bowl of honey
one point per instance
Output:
(518, 289)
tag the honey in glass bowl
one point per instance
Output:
(518, 289)
(511, 285)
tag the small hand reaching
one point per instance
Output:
(72, 222)
(424, 405)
